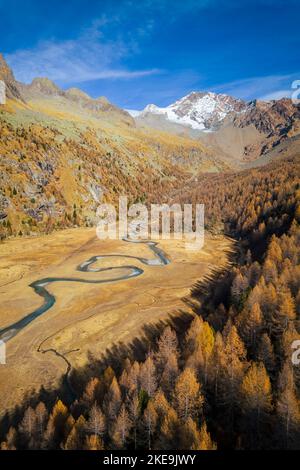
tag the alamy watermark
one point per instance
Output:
(2, 92)
(160, 222)
(296, 93)
(296, 353)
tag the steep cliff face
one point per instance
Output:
(270, 117)
(276, 121)
(7, 76)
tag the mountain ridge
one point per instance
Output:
(199, 110)
(7, 76)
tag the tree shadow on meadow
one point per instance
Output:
(71, 388)
(204, 294)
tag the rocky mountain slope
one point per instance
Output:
(234, 130)
(198, 110)
(277, 120)
(7, 76)
(254, 135)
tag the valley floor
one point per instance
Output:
(87, 319)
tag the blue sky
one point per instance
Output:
(155, 51)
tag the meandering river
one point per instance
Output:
(40, 286)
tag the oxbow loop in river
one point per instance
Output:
(39, 286)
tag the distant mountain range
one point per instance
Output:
(198, 110)
(239, 130)
(234, 129)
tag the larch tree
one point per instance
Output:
(133, 377)
(28, 427)
(161, 404)
(217, 364)
(288, 409)
(192, 335)
(270, 271)
(231, 377)
(187, 398)
(256, 295)
(41, 421)
(112, 401)
(200, 342)
(124, 381)
(167, 346)
(74, 439)
(269, 305)
(10, 440)
(108, 376)
(80, 426)
(134, 414)
(274, 252)
(218, 317)
(239, 288)
(169, 373)
(148, 379)
(150, 421)
(196, 361)
(254, 273)
(256, 396)
(205, 440)
(248, 258)
(234, 345)
(93, 442)
(189, 435)
(96, 423)
(56, 429)
(205, 341)
(91, 393)
(122, 428)
(286, 312)
(250, 326)
(227, 328)
(169, 431)
(265, 354)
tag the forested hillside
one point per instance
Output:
(63, 153)
(226, 378)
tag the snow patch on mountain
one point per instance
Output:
(202, 111)
(133, 112)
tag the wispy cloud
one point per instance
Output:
(87, 58)
(161, 90)
(265, 88)
(277, 95)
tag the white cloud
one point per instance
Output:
(277, 95)
(268, 87)
(84, 59)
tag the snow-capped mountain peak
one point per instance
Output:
(199, 110)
